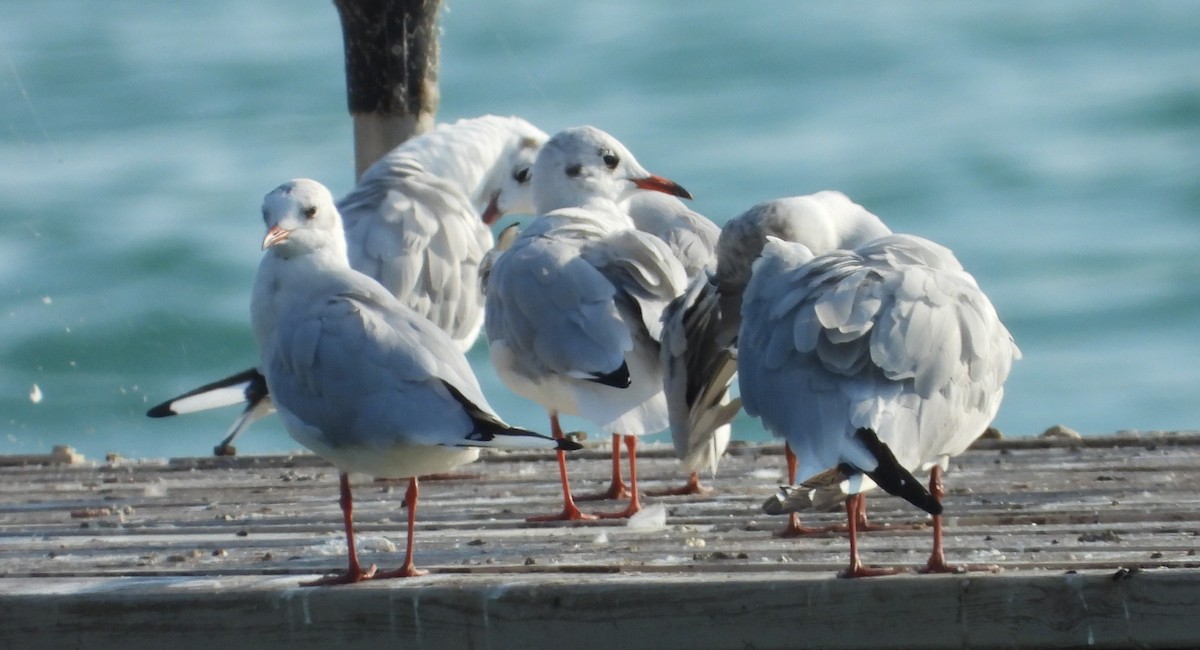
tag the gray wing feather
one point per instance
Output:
(383, 372)
(542, 295)
(893, 335)
(698, 373)
(691, 236)
(643, 271)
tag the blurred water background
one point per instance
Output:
(1055, 146)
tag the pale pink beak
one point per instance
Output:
(660, 184)
(492, 212)
(275, 235)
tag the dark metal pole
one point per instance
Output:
(391, 72)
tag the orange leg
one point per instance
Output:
(793, 528)
(354, 573)
(635, 504)
(937, 559)
(692, 486)
(408, 569)
(570, 511)
(864, 525)
(856, 569)
(617, 489)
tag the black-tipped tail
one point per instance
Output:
(618, 378)
(893, 478)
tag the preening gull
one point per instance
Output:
(875, 359)
(417, 222)
(822, 222)
(358, 376)
(698, 370)
(574, 307)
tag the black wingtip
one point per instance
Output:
(566, 444)
(893, 478)
(255, 390)
(618, 378)
(161, 411)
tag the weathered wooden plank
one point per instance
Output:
(100, 551)
(60, 455)
(582, 611)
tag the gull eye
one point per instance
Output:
(610, 159)
(574, 170)
(310, 212)
(521, 175)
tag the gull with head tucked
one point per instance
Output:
(574, 307)
(357, 376)
(822, 222)
(874, 355)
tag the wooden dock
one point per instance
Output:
(1095, 541)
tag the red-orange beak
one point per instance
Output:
(492, 212)
(275, 235)
(660, 184)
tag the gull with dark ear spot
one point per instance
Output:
(357, 376)
(874, 358)
(574, 310)
(418, 223)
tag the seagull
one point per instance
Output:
(359, 377)
(822, 222)
(698, 371)
(574, 306)
(418, 222)
(416, 219)
(873, 359)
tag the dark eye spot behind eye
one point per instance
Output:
(310, 212)
(521, 175)
(574, 170)
(611, 160)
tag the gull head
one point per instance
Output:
(301, 218)
(584, 163)
(515, 193)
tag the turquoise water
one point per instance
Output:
(1054, 146)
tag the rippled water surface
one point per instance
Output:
(1054, 146)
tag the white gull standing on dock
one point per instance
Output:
(417, 222)
(873, 362)
(574, 307)
(358, 376)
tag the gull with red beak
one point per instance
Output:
(574, 307)
(357, 376)
(418, 223)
